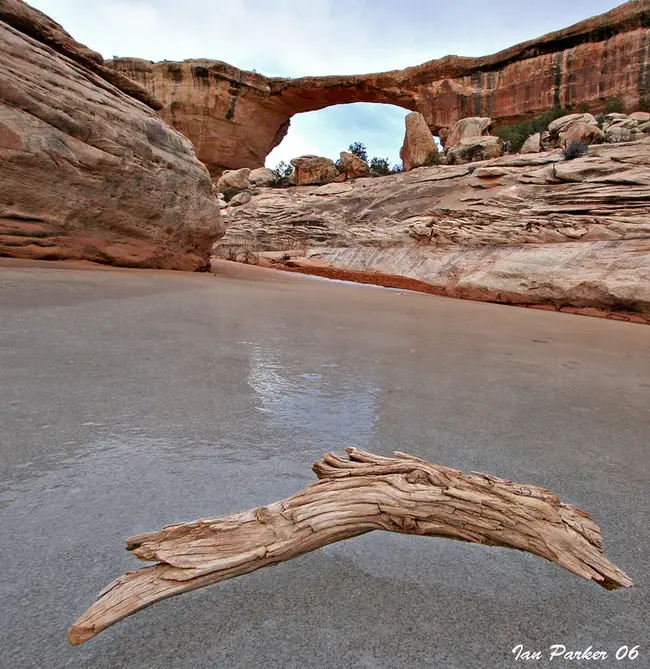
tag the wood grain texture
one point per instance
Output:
(354, 495)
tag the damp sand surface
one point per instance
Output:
(135, 398)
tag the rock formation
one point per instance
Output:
(418, 142)
(467, 128)
(236, 118)
(313, 170)
(88, 170)
(263, 176)
(353, 166)
(534, 230)
(234, 180)
(475, 149)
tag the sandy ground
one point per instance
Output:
(134, 398)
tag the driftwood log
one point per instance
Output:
(355, 495)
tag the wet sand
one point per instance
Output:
(135, 398)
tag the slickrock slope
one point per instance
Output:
(235, 118)
(87, 169)
(522, 229)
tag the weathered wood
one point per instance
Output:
(355, 495)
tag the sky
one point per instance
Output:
(293, 38)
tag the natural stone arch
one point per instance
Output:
(235, 118)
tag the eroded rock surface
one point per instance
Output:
(528, 229)
(236, 118)
(418, 142)
(87, 171)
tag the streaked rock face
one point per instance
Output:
(528, 229)
(87, 171)
(236, 118)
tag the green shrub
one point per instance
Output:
(644, 103)
(614, 106)
(359, 151)
(575, 149)
(283, 171)
(379, 167)
(516, 134)
(433, 158)
(600, 119)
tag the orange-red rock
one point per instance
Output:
(87, 171)
(235, 118)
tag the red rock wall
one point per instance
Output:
(235, 118)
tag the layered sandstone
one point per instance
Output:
(236, 118)
(525, 229)
(87, 169)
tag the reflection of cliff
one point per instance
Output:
(312, 397)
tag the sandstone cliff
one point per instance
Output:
(536, 229)
(236, 118)
(88, 170)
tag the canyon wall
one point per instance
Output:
(536, 230)
(235, 118)
(88, 171)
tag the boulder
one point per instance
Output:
(563, 123)
(234, 180)
(581, 132)
(313, 170)
(263, 176)
(89, 171)
(240, 198)
(353, 166)
(466, 128)
(533, 144)
(418, 142)
(474, 149)
(640, 116)
(620, 133)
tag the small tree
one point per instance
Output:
(283, 171)
(615, 106)
(379, 167)
(359, 151)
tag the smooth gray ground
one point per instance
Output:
(131, 399)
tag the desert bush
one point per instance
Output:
(600, 119)
(516, 134)
(575, 149)
(644, 103)
(614, 106)
(359, 150)
(283, 171)
(379, 167)
(433, 158)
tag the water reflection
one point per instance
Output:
(319, 400)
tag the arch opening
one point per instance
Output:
(328, 131)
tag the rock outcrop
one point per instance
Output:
(87, 169)
(353, 166)
(468, 128)
(234, 180)
(535, 229)
(418, 142)
(263, 176)
(313, 170)
(475, 149)
(236, 118)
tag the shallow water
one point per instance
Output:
(132, 399)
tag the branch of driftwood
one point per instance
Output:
(354, 495)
